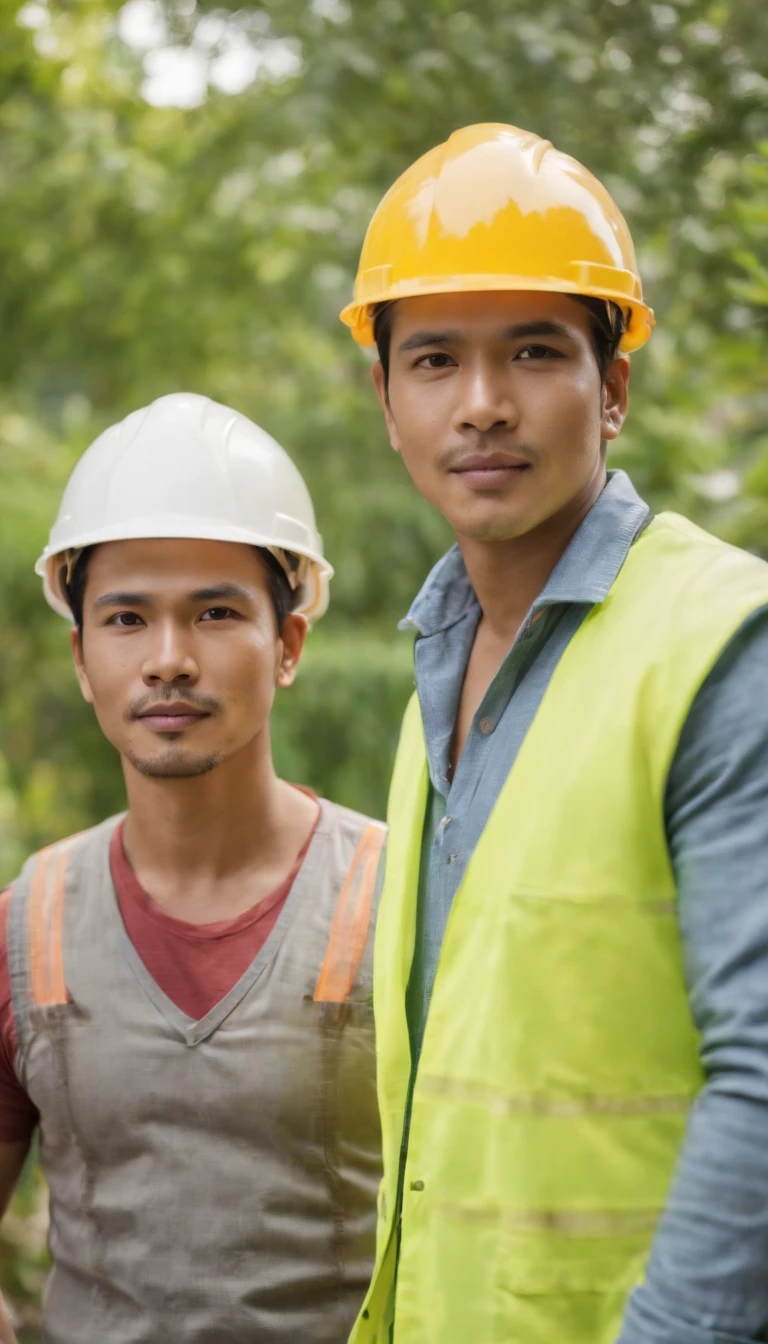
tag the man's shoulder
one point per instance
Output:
(357, 841)
(346, 821)
(56, 855)
(687, 536)
(699, 580)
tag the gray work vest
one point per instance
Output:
(211, 1182)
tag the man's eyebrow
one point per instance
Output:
(420, 338)
(219, 591)
(518, 331)
(545, 326)
(215, 593)
(123, 599)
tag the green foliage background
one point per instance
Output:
(145, 249)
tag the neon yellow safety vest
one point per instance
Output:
(559, 1058)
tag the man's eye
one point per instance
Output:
(538, 352)
(217, 614)
(125, 619)
(436, 361)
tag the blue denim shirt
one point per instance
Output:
(707, 1279)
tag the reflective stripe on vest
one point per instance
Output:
(559, 1057)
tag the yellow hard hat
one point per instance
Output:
(497, 208)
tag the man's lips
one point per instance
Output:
(489, 469)
(172, 718)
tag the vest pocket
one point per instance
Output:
(43, 1068)
(348, 1128)
(561, 1291)
(469, 1273)
(336, 1017)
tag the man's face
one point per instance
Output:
(496, 404)
(179, 653)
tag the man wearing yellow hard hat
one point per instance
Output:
(185, 990)
(571, 967)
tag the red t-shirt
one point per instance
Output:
(196, 965)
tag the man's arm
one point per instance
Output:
(18, 1117)
(707, 1278)
(12, 1157)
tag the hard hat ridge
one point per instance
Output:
(498, 208)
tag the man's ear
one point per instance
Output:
(291, 646)
(615, 398)
(76, 645)
(382, 392)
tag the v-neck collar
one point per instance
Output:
(187, 1029)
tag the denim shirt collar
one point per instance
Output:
(585, 572)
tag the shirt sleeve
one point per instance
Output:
(707, 1278)
(18, 1116)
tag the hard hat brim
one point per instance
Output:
(311, 600)
(358, 316)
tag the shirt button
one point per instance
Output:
(417, 1185)
(486, 726)
(445, 823)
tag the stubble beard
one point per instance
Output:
(175, 765)
(500, 531)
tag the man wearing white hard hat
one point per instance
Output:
(185, 991)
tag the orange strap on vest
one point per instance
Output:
(351, 920)
(46, 925)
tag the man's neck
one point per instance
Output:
(204, 834)
(508, 576)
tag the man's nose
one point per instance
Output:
(486, 401)
(171, 656)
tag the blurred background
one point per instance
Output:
(184, 188)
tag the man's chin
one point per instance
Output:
(175, 765)
(493, 528)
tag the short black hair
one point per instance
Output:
(279, 587)
(607, 326)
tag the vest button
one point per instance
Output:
(417, 1185)
(486, 726)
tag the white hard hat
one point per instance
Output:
(187, 467)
